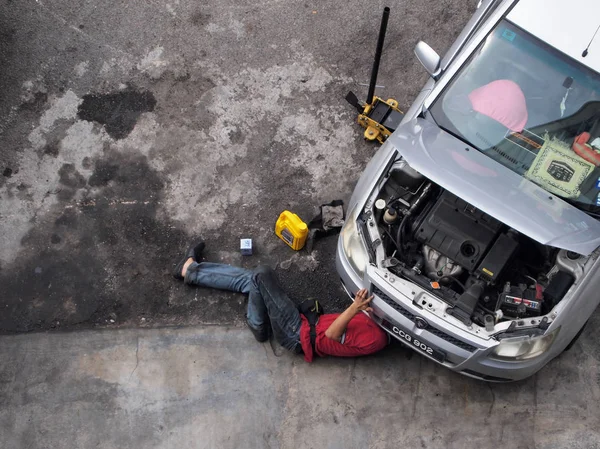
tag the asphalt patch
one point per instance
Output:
(118, 112)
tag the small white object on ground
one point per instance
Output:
(246, 247)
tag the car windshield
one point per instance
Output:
(532, 109)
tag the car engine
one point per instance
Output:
(486, 271)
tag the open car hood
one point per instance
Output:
(496, 190)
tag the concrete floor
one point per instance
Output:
(215, 387)
(228, 112)
(129, 128)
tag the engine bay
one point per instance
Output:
(485, 271)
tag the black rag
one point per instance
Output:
(328, 221)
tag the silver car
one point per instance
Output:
(475, 225)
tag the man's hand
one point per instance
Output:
(338, 327)
(362, 301)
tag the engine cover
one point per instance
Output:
(457, 230)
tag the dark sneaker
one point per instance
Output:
(195, 252)
(260, 335)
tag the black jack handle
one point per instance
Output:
(378, 51)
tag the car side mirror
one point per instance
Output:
(428, 57)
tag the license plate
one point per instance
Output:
(414, 342)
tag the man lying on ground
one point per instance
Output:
(349, 334)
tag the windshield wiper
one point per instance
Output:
(592, 214)
(590, 209)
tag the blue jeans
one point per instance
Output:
(268, 304)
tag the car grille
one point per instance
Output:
(411, 316)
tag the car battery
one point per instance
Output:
(519, 303)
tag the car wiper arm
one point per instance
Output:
(590, 209)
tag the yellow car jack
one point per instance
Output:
(379, 117)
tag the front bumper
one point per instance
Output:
(465, 355)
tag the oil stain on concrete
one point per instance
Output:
(118, 111)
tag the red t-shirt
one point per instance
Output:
(362, 337)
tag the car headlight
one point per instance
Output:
(353, 245)
(524, 349)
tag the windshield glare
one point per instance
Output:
(531, 109)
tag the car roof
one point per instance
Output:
(566, 26)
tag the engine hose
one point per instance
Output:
(388, 232)
(399, 243)
(408, 274)
(456, 281)
(424, 284)
(415, 205)
(485, 309)
(413, 208)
